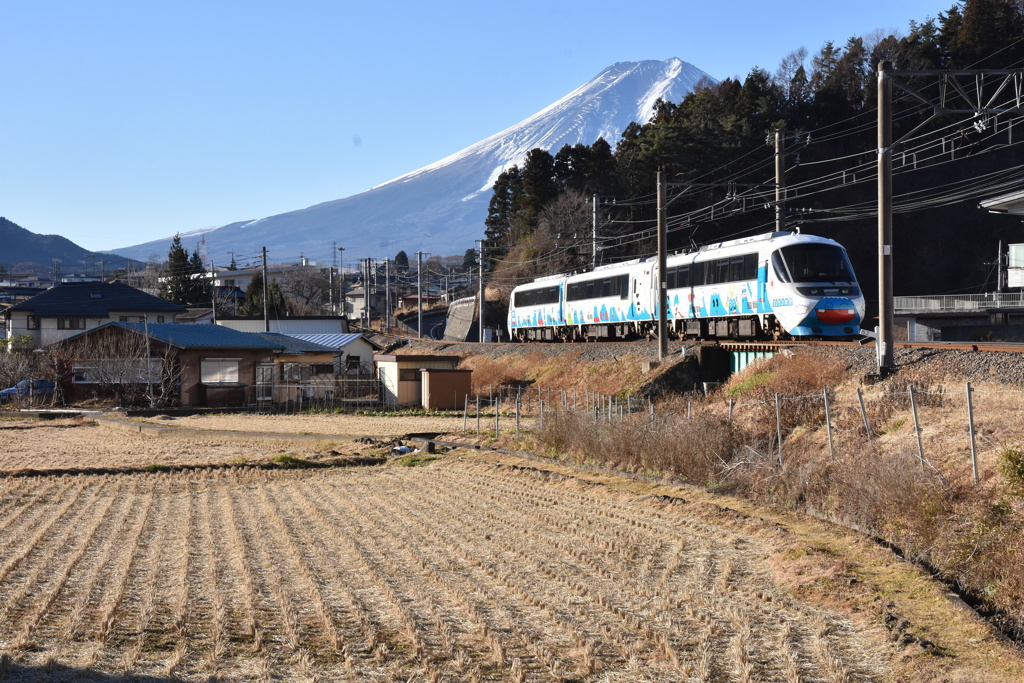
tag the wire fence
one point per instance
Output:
(940, 425)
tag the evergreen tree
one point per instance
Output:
(469, 259)
(253, 305)
(176, 288)
(503, 212)
(401, 262)
(199, 291)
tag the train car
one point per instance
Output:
(535, 310)
(774, 285)
(610, 302)
(770, 286)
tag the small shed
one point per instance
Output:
(400, 377)
(445, 389)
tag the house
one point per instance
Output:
(69, 308)
(302, 371)
(190, 365)
(353, 352)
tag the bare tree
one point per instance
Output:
(308, 289)
(16, 364)
(129, 366)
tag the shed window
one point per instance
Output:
(219, 370)
(410, 375)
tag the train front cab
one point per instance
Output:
(814, 292)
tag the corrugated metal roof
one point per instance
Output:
(335, 341)
(186, 336)
(293, 344)
(93, 300)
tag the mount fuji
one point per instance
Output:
(441, 208)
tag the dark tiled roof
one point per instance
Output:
(294, 344)
(184, 336)
(93, 300)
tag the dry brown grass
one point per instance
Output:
(928, 507)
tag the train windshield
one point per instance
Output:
(813, 263)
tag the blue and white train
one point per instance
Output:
(772, 286)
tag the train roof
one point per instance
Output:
(764, 237)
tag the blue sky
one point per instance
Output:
(124, 122)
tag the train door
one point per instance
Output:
(642, 290)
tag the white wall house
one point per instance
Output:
(70, 308)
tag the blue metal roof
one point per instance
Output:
(185, 336)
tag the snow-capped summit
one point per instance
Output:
(440, 208)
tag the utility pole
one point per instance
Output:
(780, 180)
(341, 272)
(885, 296)
(213, 291)
(330, 290)
(597, 228)
(1000, 273)
(387, 295)
(365, 264)
(970, 97)
(266, 307)
(480, 313)
(662, 265)
(419, 293)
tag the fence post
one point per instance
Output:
(517, 416)
(730, 410)
(689, 410)
(864, 413)
(496, 413)
(917, 427)
(478, 415)
(828, 424)
(970, 428)
(465, 413)
(778, 424)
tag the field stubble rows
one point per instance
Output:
(458, 571)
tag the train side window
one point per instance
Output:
(721, 270)
(697, 274)
(623, 286)
(750, 267)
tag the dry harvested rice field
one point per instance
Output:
(461, 570)
(71, 444)
(381, 426)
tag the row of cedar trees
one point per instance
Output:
(539, 220)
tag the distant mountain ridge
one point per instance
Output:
(19, 246)
(440, 208)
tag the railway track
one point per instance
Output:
(752, 345)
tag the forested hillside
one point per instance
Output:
(24, 251)
(717, 149)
